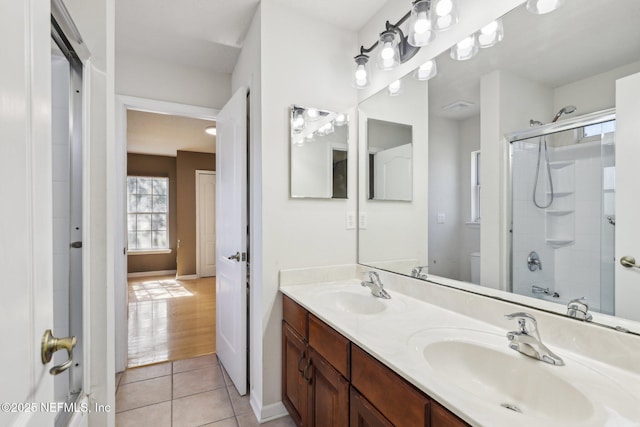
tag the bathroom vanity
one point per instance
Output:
(437, 356)
(329, 381)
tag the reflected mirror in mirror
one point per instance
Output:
(390, 160)
(483, 225)
(319, 153)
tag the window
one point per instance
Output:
(147, 213)
(475, 186)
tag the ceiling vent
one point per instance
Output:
(458, 106)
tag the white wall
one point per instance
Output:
(151, 78)
(469, 234)
(445, 184)
(289, 233)
(594, 93)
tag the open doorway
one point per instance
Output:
(169, 311)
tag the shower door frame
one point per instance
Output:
(535, 132)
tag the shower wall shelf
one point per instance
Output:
(560, 164)
(559, 212)
(560, 193)
(558, 243)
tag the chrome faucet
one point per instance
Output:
(530, 345)
(417, 272)
(376, 286)
(579, 309)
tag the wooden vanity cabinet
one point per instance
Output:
(314, 391)
(327, 381)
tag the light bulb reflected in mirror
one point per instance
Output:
(426, 71)
(540, 7)
(395, 88)
(465, 49)
(340, 120)
(491, 34)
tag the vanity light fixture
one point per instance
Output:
(426, 71)
(425, 17)
(491, 34)
(540, 7)
(210, 130)
(421, 32)
(466, 48)
(395, 88)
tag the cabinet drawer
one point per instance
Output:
(329, 344)
(296, 316)
(396, 399)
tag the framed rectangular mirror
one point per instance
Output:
(543, 98)
(319, 153)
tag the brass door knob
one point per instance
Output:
(51, 344)
(629, 262)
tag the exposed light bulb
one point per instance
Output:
(394, 88)
(541, 7)
(387, 51)
(313, 114)
(490, 34)
(422, 24)
(426, 70)
(444, 8)
(361, 73)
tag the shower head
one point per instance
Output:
(568, 109)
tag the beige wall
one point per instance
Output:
(161, 166)
(187, 162)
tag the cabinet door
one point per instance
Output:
(329, 395)
(440, 417)
(363, 414)
(295, 389)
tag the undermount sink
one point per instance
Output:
(481, 365)
(355, 301)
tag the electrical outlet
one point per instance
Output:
(440, 218)
(362, 221)
(351, 220)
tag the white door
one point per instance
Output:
(393, 175)
(206, 223)
(26, 215)
(231, 239)
(627, 241)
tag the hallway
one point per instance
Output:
(170, 319)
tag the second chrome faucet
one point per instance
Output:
(528, 344)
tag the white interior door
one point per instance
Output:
(393, 174)
(627, 240)
(231, 239)
(206, 233)
(26, 218)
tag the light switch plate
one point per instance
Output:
(362, 221)
(440, 218)
(351, 220)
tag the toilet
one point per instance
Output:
(475, 267)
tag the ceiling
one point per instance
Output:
(208, 34)
(164, 135)
(579, 40)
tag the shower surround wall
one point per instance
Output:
(570, 234)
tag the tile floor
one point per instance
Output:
(185, 393)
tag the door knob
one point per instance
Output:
(51, 344)
(629, 262)
(238, 257)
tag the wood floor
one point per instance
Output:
(170, 319)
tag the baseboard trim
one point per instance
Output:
(152, 273)
(187, 277)
(268, 412)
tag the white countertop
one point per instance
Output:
(396, 337)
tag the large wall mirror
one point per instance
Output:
(514, 164)
(319, 147)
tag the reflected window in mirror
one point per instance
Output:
(319, 143)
